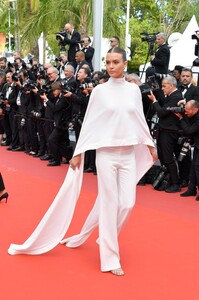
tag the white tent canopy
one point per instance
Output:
(182, 53)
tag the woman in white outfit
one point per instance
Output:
(115, 126)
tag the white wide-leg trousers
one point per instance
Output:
(116, 192)
(116, 197)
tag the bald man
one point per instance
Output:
(72, 38)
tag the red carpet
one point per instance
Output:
(159, 245)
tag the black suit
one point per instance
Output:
(73, 46)
(79, 66)
(59, 138)
(10, 121)
(192, 92)
(191, 128)
(161, 60)
(89, 52)
(189, 93)
(70, 82)
(168, 133)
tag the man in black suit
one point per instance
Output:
(81, 61)
(72, 38)
(88, 51)
(160, 60)
(168, 130)
(69, 79)
(9, 93)
(48, 126)
(59, 139)
(190, 125)
(79, 99)
(189, 91)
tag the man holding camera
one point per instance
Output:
(168, 130)
(79, 99)
(9, 93)
(59, 138)
(48, 126)
(160, 60)
(190, 125)
(71, 38)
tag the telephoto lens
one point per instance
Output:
(185, 149)
(160, 177)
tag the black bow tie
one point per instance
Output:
(184, 87)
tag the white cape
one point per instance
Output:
(114, 117)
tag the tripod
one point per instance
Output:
(150, 52)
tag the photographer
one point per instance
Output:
(23, 101)
(190, 125)
(69, 80)
(2, 76)
(63, 62)
(71, 38)
(9, 96)
(59, 138)
(48, 126)
(88, 51)
(79, 99)
(160, 60)
(168, 130)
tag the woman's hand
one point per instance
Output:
(75, 162)
(153, 153)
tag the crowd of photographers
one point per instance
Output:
(40, 105)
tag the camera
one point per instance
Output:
(35, 114)
(46, 88)
(160, 76)
(152, 84)
(63, 33)
(176, 110)
(194, 36)
(67, 88)
(28, 86)
(39, 71)
(15, 77)
(76, 120)
(58, 38)
(186, 146)
(150, 38)
(88, 83)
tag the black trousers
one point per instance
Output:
(166, 143)
(48, 127)
(32, 133)
(59, 143)
(194, 172)
(2, 186)
(42, 137)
